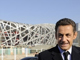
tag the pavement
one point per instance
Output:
(12, 57)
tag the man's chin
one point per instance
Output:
(64, 47)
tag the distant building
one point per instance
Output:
(78, 26)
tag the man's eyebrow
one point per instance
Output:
(60, 33)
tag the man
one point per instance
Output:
(36, 54)
(65, 33)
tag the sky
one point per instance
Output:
(39, 11)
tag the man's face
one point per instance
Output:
(65, 36)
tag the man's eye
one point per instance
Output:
(60, 35)
(67, 35)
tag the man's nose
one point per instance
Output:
(64, 38)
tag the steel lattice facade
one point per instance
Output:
(12, 34)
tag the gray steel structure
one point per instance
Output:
(13, 34)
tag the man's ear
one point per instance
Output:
(75, 35)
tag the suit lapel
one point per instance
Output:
(75, 54)
(56, 54)
(57, 57)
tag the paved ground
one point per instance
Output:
(11, 57)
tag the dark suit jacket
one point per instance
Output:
(54, 54)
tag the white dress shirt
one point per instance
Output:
(62, 51)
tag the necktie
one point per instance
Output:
(65, 55)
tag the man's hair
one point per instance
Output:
(65, 21)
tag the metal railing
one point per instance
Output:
(16, 53)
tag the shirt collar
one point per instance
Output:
(61, 51)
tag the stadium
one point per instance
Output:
(19, 34)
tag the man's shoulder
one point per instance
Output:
(47, 54)
(76, 47)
